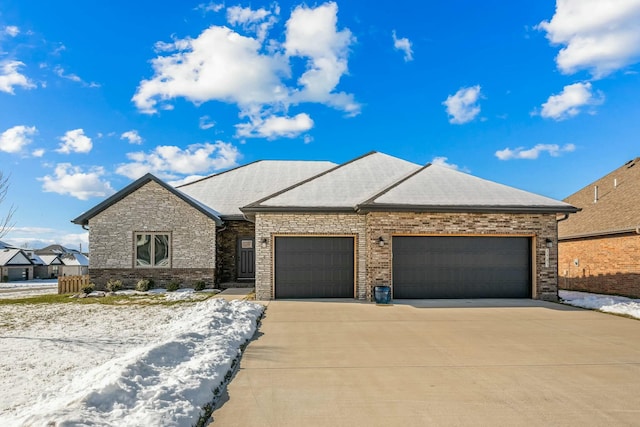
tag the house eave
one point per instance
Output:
(605, 233)
(297, 209)
(380, 207)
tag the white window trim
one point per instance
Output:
(152, 255)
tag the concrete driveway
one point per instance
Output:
(463, 362)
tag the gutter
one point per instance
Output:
(601, 233)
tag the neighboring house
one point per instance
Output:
(4, 245)
(15, 264)
(74, 264)
(315, 229)
(62, 261)
(600, 245)
(51, 266)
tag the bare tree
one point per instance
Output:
(6, 223)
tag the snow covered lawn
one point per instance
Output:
(125, 365)
(606, 303)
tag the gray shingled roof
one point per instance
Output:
(13, 257)
(230, 190)
(440, 189)
(617, 209)
(342, 187)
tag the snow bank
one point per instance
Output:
(606, 303)
(124, 366)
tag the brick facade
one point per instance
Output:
(269, 225)
(373, 262)
(227, 250)
(152, 208)
(606, 264)
(538, 226)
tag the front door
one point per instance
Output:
(246, 258)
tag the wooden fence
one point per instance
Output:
(72, 284)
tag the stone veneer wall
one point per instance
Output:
(268, 225)
(605, 265)
(227, 251)
(152, 208)
(386, 224)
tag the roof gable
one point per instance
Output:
(232, 189)
(440, 189)
(340, 188)
(13, 257)
(616, 209)
(85, 217)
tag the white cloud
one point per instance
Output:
(568, 102)
(185, 180)
(75, 141)
(14, 139)
(599, 36)
(210, 7)
(442, 161)
(313, 33)
(71, 180)
(132, 136)
(73, 77)
(221, 64)
(206, 123)
(39, 152)
(217, 65)
(40, 237)
(10, 77)
(462, 107)
(275, 126)
(404, 45)
(554, 150)
(257, 21)
(166, 161)
(11, 30)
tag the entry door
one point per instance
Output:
(246, 258)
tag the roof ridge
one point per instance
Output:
(257, 203)
(371, 199)
(219, 173)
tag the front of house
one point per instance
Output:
(320, 230)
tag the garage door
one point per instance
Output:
(461, 267)
(314, 267)
(17, 273)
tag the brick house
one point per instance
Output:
(599, 247)
(315, 229)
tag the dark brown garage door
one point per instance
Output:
(461, 267)
(314, 267)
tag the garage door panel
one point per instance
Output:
(461, 267)
(314, 267)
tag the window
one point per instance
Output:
(152, 250)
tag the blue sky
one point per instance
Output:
(533, 94)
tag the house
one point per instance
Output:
(599, 246)
(51, 267)
(316, 229)
(61, 261)
(15, 264)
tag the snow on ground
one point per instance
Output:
(606, 303)
(27, 288)
(131, 365)
(29, 283)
